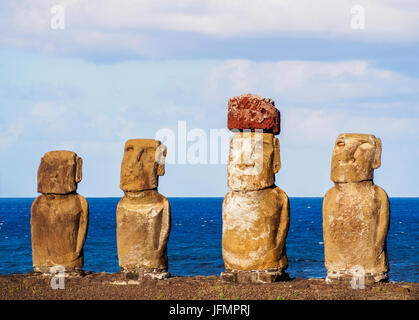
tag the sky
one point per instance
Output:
(111, 71)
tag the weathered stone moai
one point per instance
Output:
(356, 213)
(255, 211)
(143, 214)
(60, 216)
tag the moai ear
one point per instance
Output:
(161, 152)
(79, 165)
(161, 170)
(377, 155)
(277, 158)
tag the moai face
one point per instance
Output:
(59, 172)
(355, 157)
(142, 164)
(253, 161)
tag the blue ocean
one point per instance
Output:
(195, 241)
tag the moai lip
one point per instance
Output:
(253, 112)
(356, 212)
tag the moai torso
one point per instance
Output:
(59, 217)
(143, 215)
(255, 210)
(143, 231)
(253, 229)
(355, 211)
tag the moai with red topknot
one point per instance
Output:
(255, 211)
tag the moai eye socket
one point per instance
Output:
(340, 143)
(129, 148)
(366, 146)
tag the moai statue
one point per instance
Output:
(356, 213)
(255, 211)
(60, 216)
(143, 214)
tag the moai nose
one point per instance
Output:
(139, 155)
(348, 155)
(346, 158)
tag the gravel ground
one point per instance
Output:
(103, 286)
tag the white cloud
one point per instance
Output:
(224, 18)
(48, 110)
(53, 119)
(105, 26)
(118, 123)
(314, 127)
(309, 82)
(10, 135)
(319, 100)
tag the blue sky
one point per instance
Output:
(117, 72)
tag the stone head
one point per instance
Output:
(355, 157)
(253, 161)
(142, 164)
(59, 172)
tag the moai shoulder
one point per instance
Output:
(265, 203)
(150, 198)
